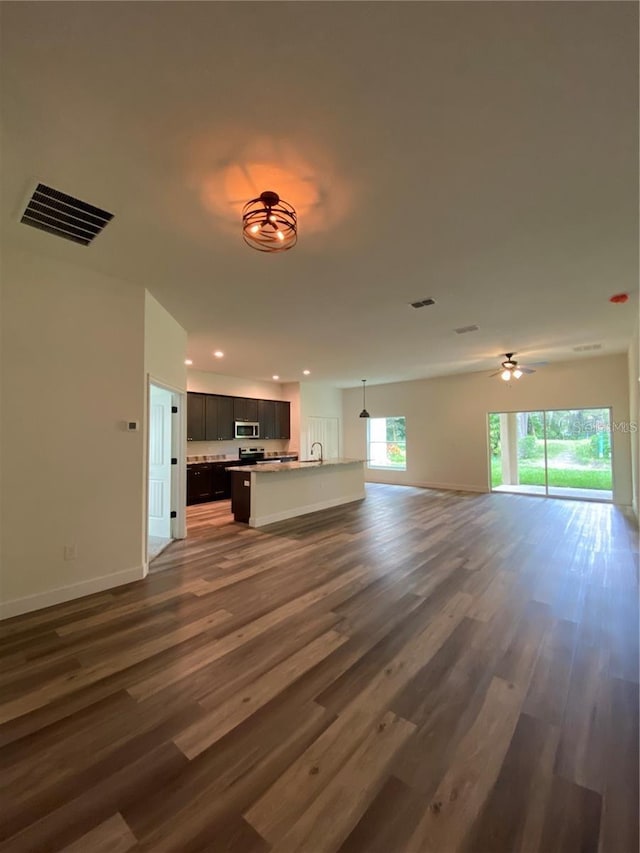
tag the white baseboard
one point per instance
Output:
(17, 606)
(453, 487)
(305, 510)
(444, 487)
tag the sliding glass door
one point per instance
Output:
(560, 452)
(579, 453)
(517, 452)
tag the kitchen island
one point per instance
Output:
(269, 492)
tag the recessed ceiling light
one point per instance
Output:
(218, 353)
(188, 361)
(275, 376)
(306, 372)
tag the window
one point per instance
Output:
(387, 443)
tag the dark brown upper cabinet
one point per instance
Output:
(283, 419)
(195, 417)
(245, 409)
(218, 418)
(226, 428)
(267, 418)
(210, 417)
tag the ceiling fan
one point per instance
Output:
(510, 369)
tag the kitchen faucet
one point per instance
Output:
(319, 445)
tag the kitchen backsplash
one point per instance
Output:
(230, 448)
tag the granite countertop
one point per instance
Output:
(221, 457)
(194, 460)
(278, 467)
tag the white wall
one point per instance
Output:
(447, 419)
(291, 392)
(165, 345)
(634, 415)
(233, 386)
(72, 374)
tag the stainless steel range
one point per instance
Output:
(251, 455)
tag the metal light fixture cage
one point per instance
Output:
(269, 224)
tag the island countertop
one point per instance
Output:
(279, 467)
(259, 498)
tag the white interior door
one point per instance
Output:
(327, 432)
(160, 462)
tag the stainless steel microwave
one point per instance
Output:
(246, 429)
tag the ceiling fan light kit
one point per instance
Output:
(510, 369)
(269, 224)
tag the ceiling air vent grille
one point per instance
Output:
(464, 329)
(422, 302)
(587, 347)
(61, 214)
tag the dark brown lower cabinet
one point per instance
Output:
(208, 481)
(241, 496)
(199, 484)
(220, 485)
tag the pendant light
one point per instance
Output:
(364, 413)
(269, 224)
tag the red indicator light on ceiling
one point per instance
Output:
(618, 298)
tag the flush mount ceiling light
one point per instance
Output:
(269, 224)
(364, 413)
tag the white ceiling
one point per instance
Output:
(483, 154)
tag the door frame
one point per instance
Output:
(178, 472)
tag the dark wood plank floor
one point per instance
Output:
(418, 672)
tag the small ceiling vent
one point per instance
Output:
(464, 329)
(587, 347)
(422, 303)
(61, 214)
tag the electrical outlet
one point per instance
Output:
(70, 552)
